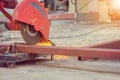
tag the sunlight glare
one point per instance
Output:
(116, 3)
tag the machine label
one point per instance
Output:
(38, 8)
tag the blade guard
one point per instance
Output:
(33, 13)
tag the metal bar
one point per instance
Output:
(5, 45)
(115, 44)
(103, 53)
(74, 51)
(62, 16)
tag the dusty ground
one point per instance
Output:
(68, 33)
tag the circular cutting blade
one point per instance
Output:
(29, 34)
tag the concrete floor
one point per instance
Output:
(39, 72)
(83, 33)
(68, 33)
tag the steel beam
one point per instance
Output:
(114, 44)
(89, 52)
(71, 51)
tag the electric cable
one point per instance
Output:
(80, 35)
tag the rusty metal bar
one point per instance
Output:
(5, 45)
(62, 16)
(71, 51)
(115, 44)
(92, 52)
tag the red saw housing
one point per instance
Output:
(33, 13)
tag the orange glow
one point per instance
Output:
(56, 57)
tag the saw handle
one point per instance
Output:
(2, 4)
(11, 4)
